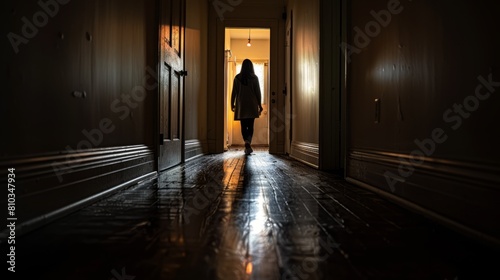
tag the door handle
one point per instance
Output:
(183, 73)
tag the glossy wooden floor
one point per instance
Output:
(261, 216)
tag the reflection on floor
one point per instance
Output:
(231, 216)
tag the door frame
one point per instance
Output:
(332, 87)
(276, 83)
(289, 63)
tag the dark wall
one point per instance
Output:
(435, 140)
(196, 80)
(78, 98)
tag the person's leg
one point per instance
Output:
(250, 125)
(244, 129)
(247, 133)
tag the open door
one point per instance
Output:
(172, 24)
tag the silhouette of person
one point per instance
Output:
(245, 101)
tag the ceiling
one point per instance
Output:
(242, 33)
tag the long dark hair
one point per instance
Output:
(247, 72)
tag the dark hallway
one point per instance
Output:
(376, 147)
(258, 217)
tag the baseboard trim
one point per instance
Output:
(307, 153)
(194, 148)
(51, 184)
(37, 222)
(470, 232)
(471, 172)
(461, 194)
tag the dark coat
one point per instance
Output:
(246, 97)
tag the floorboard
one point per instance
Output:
(231, 216)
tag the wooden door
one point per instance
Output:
(172, 22)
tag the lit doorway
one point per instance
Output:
(241, 44)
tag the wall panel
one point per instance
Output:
(305, 78)
(79, 100)
(432, 144)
